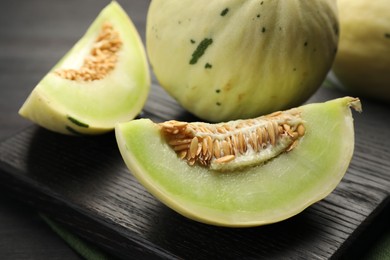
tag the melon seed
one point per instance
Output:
(100, 61)
(239, 143)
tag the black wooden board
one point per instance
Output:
(82, 183)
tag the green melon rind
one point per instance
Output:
(260, 195)
(99, 104)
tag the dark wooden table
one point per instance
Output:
(33, 36)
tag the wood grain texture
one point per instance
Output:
(84, 184)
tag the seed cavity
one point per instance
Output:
(235, 144)
(100, 61)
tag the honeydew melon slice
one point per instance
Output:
(271, 191)
(104, 79)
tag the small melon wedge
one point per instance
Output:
(104, 79)
(254, 195)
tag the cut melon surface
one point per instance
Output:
(250, 196)
(94, 106)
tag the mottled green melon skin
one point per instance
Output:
(100, 104)
(362, 64)
(264, 55)
(254, 196)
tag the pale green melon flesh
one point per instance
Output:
(253, 196)
(97, 105)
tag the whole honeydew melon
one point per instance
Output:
(104, 79)
(362, 63)
(264, 179)
(225, 60)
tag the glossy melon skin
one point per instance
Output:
(73, 107)
(253, 196)
(225, 60)
(362, 63)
